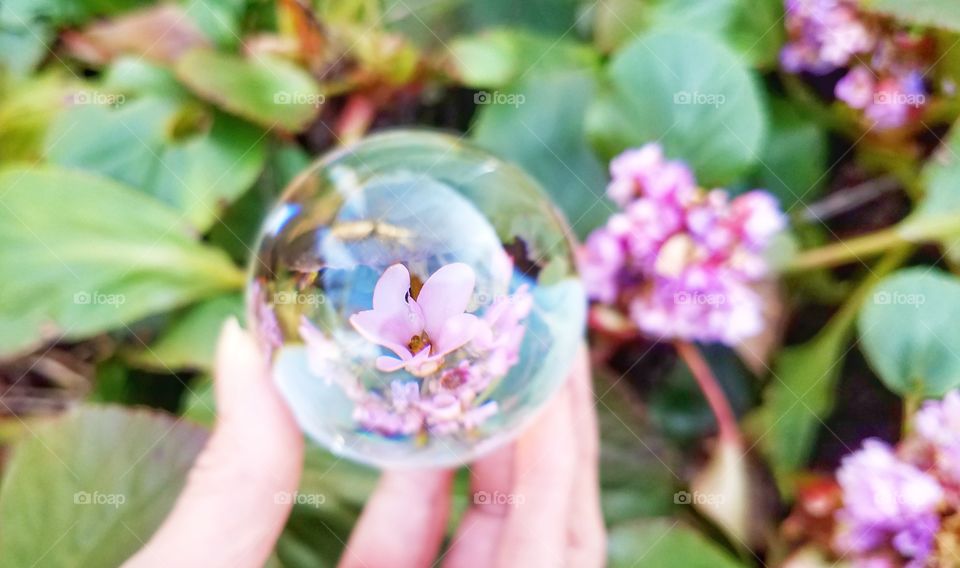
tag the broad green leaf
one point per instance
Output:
(189, 342)
(80, 254)
(638, 470)
(555, 17)
(532, 126)
(935, 13)
(92, 486)
(134, 77)
(219, 20)
(941, 178)
(794, 159)
(664, 542)
(802, 389)
(752, 28)
(690, 93)
(678, 408)
(272, 93)
(497, 57)
(798, 399)
(909, 332)
(163, 147)
(28, 27)
(27, 110)
(198, 403)
(237, 228)
(331, 495)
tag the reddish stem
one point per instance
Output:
(726, 419)
(355, 119)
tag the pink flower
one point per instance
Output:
(887, 502)
(421, 330)
(501, 332)
(680, 260)
(937, 426)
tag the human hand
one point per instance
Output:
(535, 502)
(229, 515)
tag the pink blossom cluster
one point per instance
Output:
(894, 499)
(885, 66)
(678, 260)
(453, 357)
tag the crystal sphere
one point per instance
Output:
(417, 298)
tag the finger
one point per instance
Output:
(544, 465)
(404, 521)
(476, 540)
(230, 514)
(586, 538)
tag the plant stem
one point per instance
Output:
(726, 419)
(914, 230)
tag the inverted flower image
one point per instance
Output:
(453, 358)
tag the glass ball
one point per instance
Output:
(417, 298)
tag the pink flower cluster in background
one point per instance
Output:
(885, 66)
(453, 357)
(678, 260)
(895, 499)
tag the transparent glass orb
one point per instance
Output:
(418, 300)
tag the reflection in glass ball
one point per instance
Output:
(417, 298)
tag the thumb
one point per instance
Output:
(237, 497)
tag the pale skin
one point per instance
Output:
(228, 514)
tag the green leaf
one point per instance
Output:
(271, 92)
(134, 77)
(28, 27)
(638, 470)
(497, 57)
(553, 150)
(799, 397)
(237, 229)
(935, 13)
(26, 112)
(165, 148)
(664, 542)
(909, 332)
(794, 159)
(555, 17)
(92, 486)
(687, 91)
(189, 342)
(80, 254)
(332, 493)
(941, 178)
(678, 408)
(752, 28)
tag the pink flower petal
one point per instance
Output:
(385, 329)
(390, 293)
(445, 295)
(455, 333)
(386, 364)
